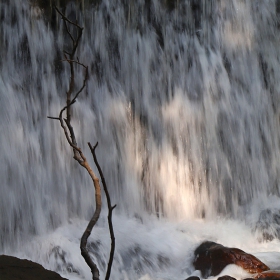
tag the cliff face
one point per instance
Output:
(12, 268)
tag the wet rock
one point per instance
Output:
(12, 268)
(268, 225)
(193, 278)
(226, 277)
(211, 258)
(268, 275)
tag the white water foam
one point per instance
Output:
(146, 249)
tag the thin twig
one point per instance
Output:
(73, 61)
(68, 31)
(78, 154)
(66, 19)
(52, 118)
(80, 32)
(67, 52)
(77, 94)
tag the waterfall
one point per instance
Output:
(182, 97)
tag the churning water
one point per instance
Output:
(183, 98)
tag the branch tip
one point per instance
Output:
(95, 146)
(52, 118)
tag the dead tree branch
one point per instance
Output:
(110, 211)
(71, 137)
(78, 154)
(75, 43)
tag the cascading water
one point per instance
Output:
(183, 98)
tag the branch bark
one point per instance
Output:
(110, 211)
(71, 139)
(78, 154)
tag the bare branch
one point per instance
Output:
(91, 224)
(52, 118)
(78, 154)
(110, 211)
(67, 52)
(76, 96)
(75, 42)
(74, 61)
(68, 31)
(66, 19)
(71, 139)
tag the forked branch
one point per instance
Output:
(78, 154)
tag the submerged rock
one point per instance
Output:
(211, 258)
(268, 225)
(12, 268)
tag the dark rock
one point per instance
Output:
(193, 278)
(211, 258)
(226, 277)
(12, 268)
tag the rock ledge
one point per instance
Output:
(12, 268)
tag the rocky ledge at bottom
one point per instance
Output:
(12, 268)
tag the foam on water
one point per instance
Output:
(146, 249)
